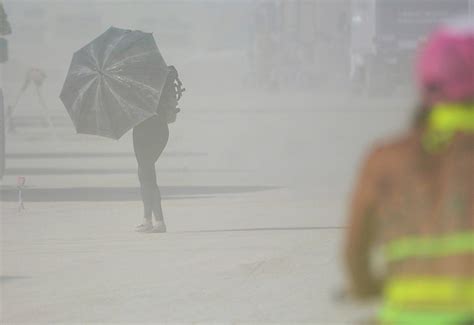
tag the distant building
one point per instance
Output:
(298, 43)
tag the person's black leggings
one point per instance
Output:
(149, 139)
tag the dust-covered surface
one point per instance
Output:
(255, 221)
(81, 263)
(255, 178)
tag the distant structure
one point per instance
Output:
(385, 36)
(299, 44)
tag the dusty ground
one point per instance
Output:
(254, 197)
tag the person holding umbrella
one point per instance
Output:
(118, 82)
(149, 140)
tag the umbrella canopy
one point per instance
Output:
(114, 83)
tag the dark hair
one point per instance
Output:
(421, 115)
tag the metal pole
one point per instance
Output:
(2, 108)
(2, 134)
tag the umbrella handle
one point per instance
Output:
(179, 92)
(177, 82)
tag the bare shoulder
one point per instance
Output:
(394, 151)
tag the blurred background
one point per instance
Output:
(283, 100)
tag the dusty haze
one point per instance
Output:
(247, 156)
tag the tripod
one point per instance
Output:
(35, 77)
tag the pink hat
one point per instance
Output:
(445, 67)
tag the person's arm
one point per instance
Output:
(361, 232)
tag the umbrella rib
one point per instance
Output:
(82, 70)
(99, 107)
(98, 96)
(122, 62)
(107, 112)
(110, 49)
(135, 41)
(138, 83)
(92, 54)
(120, 100)
(88, 56)
(81, 94)
(81, 112)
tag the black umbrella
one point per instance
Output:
(114, 83)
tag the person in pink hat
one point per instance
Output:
(414, 199)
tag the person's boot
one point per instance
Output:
(146, 226)
(159, 227)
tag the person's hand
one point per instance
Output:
(171, 115)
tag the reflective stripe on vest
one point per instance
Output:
(457, 293)
(428, 300)
(391, 315)
(429, 247)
